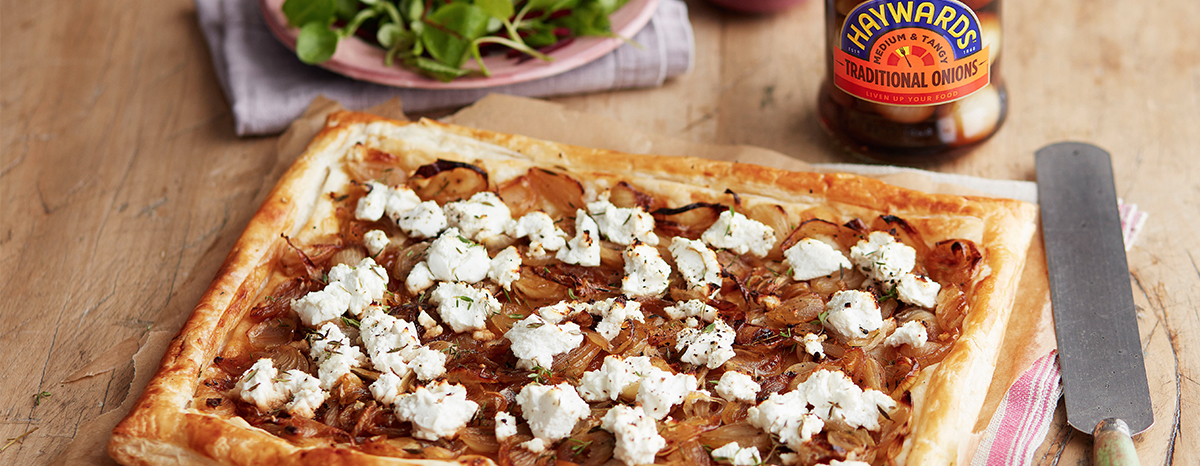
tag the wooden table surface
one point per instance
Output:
(123, 185)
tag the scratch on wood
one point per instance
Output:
(1156, 303)
(151, 210)
(768, 97)
(698, 121)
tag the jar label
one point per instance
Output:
(911, 52)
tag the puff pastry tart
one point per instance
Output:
(422, 293)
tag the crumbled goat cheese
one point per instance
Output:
(370, 207)
(637, 435)
(506, 267)
(660, 390)
(552, 410)
(734, 454)
(853, 313)
(882, 258)
(506, 426)
(543, 234)
(323, 305)
(375, 241)
(810, 258)
(425, 220)
(835, 397)
(556, 312)
(386, 388)
(390, 342)
(735, 385)
(584, 248)
(710, 347)
(740, 234)
(623, 225)
(400, 200)
(813, 346)
(698, 265)
(428, 363)
(462, 307)
(419, 279)
(912, 333)
(482, 216)
(614, 376)
(436, 411)
(305, 391)
(646, 272)
(257, 385)
(786, 415)
(432, 329)
(454, 258)
(334, 353)
(349, 289)
(536, 445)
(918, 291)
(535, 341)
(267, 389)
(366, 283)
(613, 313)
(692, 308)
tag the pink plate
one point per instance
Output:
(359, 60)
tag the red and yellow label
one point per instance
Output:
(911, 52)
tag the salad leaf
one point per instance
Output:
(316, 43)
(300, 13)
(499, 9)
(450, 31)
(436, 69)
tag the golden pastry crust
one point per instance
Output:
(163, 427)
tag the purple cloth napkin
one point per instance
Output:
(268, 87)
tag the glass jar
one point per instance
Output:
(912, 81)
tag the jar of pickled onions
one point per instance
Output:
(912, 81)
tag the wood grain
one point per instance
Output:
(122, 185)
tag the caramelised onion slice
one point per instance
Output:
(288, 357)
(625, 195)
(689, 221)
(556, 194)
(798, 310)
(953, 261)
(479, 440)
(447, 181)
(845, 235)
(368, 163)
(741, 432)
(273, 332)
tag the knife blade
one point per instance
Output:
(1099, 350)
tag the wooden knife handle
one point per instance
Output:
(1113, 445)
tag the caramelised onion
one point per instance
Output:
(349, 256)
(287, 357)
(625, 195)
(951, 309)
(273, 332)
(575, 362)
(588, 446)
(953, 261)
(479, 440)
(279, 302)
(408, 258)
(689, 221)
(555, 193)
(680, 433)
(827, 286)
(447, 181)
(845, 236)
(742, 432)
(367, 163)
(864, 370)
(923, 316)
(798, 310)
(537, 291)
(850, 441)
(700, 406)
(800, 372)
(774, 216)
(903, 232)
(755, 363)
